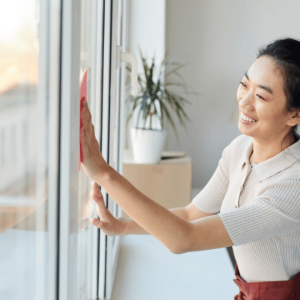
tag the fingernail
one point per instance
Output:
(95, 221)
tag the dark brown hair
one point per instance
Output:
(286, 54)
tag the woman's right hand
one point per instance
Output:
(108, 224)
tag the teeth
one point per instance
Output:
(245, 118)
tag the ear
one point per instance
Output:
(294, 118)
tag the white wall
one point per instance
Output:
(146, 29)
(220, 40)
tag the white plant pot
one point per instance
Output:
(147, 145)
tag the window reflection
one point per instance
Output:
(23, 155)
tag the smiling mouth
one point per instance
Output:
(246, 119)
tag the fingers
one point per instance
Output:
(87, 131)
(82, 133)
(106, 222)
(105, 228)
(96, 222)
(102, 211)
(97, 190)
(87, 119)
(83, 142)
(85, 104)
(86, 112)
(98, 199)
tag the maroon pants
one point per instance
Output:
(267, 290)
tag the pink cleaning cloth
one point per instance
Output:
(83, 95)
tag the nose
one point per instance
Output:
(246, 101)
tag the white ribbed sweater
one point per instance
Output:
(260, 209)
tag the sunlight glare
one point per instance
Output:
(13, 15)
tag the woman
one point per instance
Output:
(256, 186)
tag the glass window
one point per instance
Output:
(46, 239)
(24, 157)
(87, 238)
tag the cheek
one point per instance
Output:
(271, 115)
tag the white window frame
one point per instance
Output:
(64, 67)
(111, 143)
(54, 19)
(69, 144)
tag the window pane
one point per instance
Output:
(23, 152)
(86, 236)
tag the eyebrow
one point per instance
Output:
(261, 86)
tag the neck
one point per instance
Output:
(265, 149)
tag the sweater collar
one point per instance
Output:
(275, 164)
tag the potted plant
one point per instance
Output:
(154, 101)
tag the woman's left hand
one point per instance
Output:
(93, 162)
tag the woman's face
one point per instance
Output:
(262, 100)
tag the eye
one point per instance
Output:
(242, 83)
(260, 97)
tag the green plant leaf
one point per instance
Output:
(175, 103)
(168, 115)
(136, 102)
(168, 97)
(151, 91)
(156, 113)
(177, 97)
(168, 64)
(151, 74)
(142, 108)
(174, 73)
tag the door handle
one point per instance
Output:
(129, 58)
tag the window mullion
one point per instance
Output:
(69, 144)
(54, 19)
